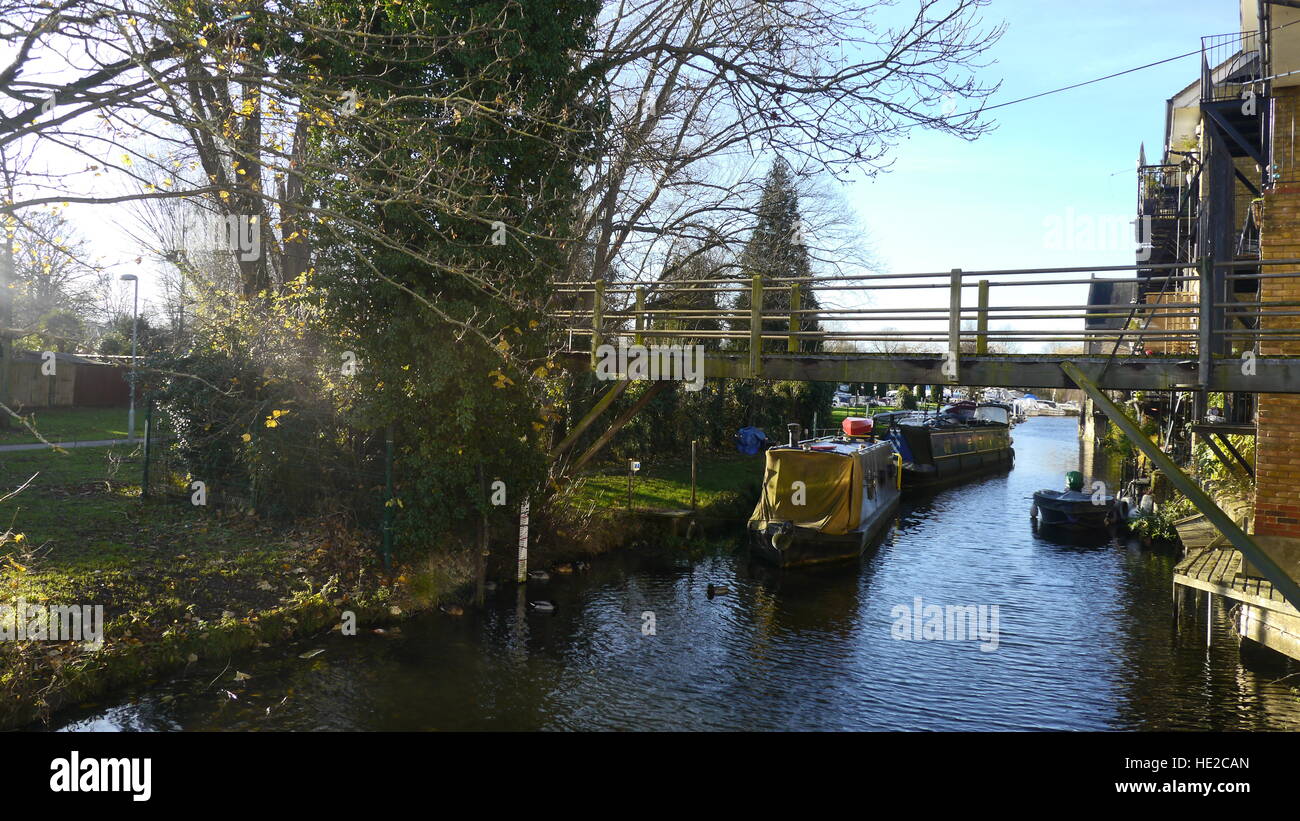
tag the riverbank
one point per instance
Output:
(181, 586)
(178, 585)
(635, 641)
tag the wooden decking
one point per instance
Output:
(1197, 533)
(1217, 570)
(1213, 566)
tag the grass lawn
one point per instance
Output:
(71, 425)
(724, 479)
(87, 536)
(169, 575)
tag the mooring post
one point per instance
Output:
(792, 341)
(1209, 617)
(756, 327)
(1177, 608)
(950, 367)
(640, 314)
(597, 319)
(982, 321)
(694, 442)
(521, 569)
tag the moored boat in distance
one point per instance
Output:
(825, 499)
(1072, 509)
(962, 440)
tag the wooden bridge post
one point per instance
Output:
(756, 328)
(951, 364)
(597, 319)
(796, 298)
(641, 316)
(982, 321)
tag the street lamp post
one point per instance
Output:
(135, 327)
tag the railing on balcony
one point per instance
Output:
(1230, 65)
(1160, 190)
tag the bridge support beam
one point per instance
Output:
(651, 393)
(614, 392)
(1268, 568)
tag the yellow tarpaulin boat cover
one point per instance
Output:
(832, 496)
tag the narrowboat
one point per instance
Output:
(961, 441)
(1072, 509)
(825, 499)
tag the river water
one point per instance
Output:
(1085, 641)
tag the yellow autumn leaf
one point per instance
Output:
(247, 437)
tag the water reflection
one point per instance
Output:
(1086, 642)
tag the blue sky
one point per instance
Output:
(949, 203)
(1056, 161)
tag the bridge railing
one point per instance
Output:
(1200, 310)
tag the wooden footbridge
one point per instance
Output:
(1200, 327)
(1209, 326)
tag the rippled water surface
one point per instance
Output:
(1086, 641)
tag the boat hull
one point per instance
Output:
(804, 546)
(1073, 514)
(824, 502)
(936, 456)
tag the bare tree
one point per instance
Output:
(700, 94)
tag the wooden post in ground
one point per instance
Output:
(521, 568)
(388, 497)
(694, 442)
(480, 561)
